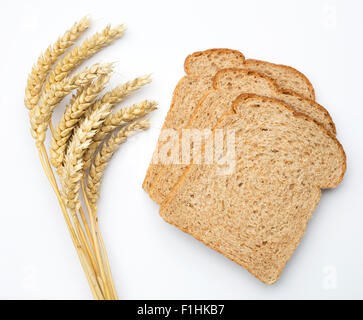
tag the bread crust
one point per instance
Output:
(209, 51)
(245, 71)
(284, 91)
(230, 256)
(239, 55)
(246, 96)
(291, 69)
(317, 105)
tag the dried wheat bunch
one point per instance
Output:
(73, 137)
(103, 157)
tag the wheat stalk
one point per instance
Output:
(72, 170)
(83, 52)
(103, 157)
(41, 114)
(71, 175)
(41, 69)
(71, 117)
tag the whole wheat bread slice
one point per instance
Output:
(257, 215)
(228, 84)
(190, 89)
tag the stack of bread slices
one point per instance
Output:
(285, 151)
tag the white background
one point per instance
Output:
(151, 259)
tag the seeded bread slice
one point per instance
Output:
(205, 64)
(257, 215)
(228, 84)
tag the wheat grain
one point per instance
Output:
(119, 93)
(116, 120)
(126, 115)
(103, 157)
(71, 117)
(41, 69)
(83, 52)
(41, 114)
(72, 170)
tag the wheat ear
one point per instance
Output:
(41, 114)
(83, 52)
(72, 170)
(114, 97)
(41, 69)
(119, 93)
(115, 121)
(124, 116)
(72, 116)
(103, 157)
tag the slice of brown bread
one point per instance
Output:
(228, 84)
(257, 215)
(206, 64)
